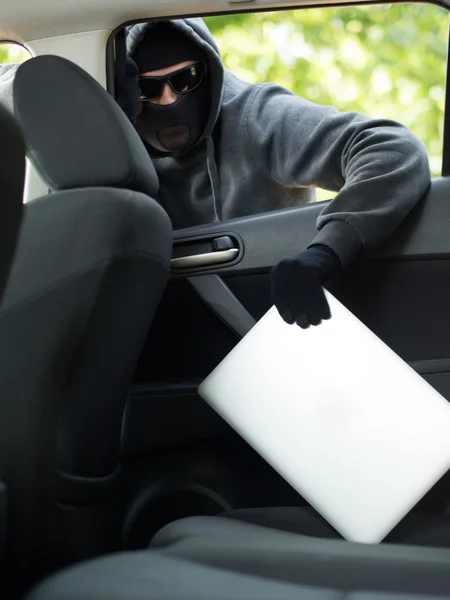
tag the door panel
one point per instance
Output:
(401, 292)
(269, 237)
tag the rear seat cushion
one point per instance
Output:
(416, 529)
(214, 558)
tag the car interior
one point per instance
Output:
(110, 320)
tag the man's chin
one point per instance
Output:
(174, 138)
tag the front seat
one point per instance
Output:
(91, 264)
(12, 178)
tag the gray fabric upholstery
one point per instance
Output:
(76, 134)
(154, 576)
(66, 232)
(418, 529)
(12, 177)
(87, 232)
(90, 267)
(205, 557)
(285, 556)
(89, 271)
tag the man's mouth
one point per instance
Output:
(175, 137)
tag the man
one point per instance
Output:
(224, 148)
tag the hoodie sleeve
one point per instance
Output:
(379, 167)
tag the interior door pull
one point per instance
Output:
(204, 260)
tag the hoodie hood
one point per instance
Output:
(196, 31)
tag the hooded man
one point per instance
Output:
(224, 148)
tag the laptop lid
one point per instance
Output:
(357, 432)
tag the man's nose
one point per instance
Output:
(168, 96)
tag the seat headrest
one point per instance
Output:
(75, 132)
(12, 179)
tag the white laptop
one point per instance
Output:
(357, 432)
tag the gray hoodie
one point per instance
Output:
(264, 149)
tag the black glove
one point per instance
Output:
(297, 285)
(127, 90)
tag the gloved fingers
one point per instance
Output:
(297, 290)
(315, 320)
(325, 312)
(320, 308)
(303, 322)
(286, 315)
(281, 299)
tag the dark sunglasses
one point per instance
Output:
(180, 82)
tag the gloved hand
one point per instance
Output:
(127, 90)
(297, 285)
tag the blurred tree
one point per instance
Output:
(381, 60)
(13, 53)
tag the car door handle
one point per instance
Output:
(206, 259)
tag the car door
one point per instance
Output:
(219, 287)
(171, 437)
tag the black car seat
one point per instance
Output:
(12, 179)
(91, 264)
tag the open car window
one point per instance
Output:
(385, 61)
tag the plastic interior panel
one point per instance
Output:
(269, 237)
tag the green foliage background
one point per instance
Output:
(12, 53)
(381, 60)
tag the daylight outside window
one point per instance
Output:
(11, 52)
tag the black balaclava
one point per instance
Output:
(177, 126)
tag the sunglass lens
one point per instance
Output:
(187, 79)
(150, 88)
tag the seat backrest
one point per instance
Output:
(12, 179)
(91, 264)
